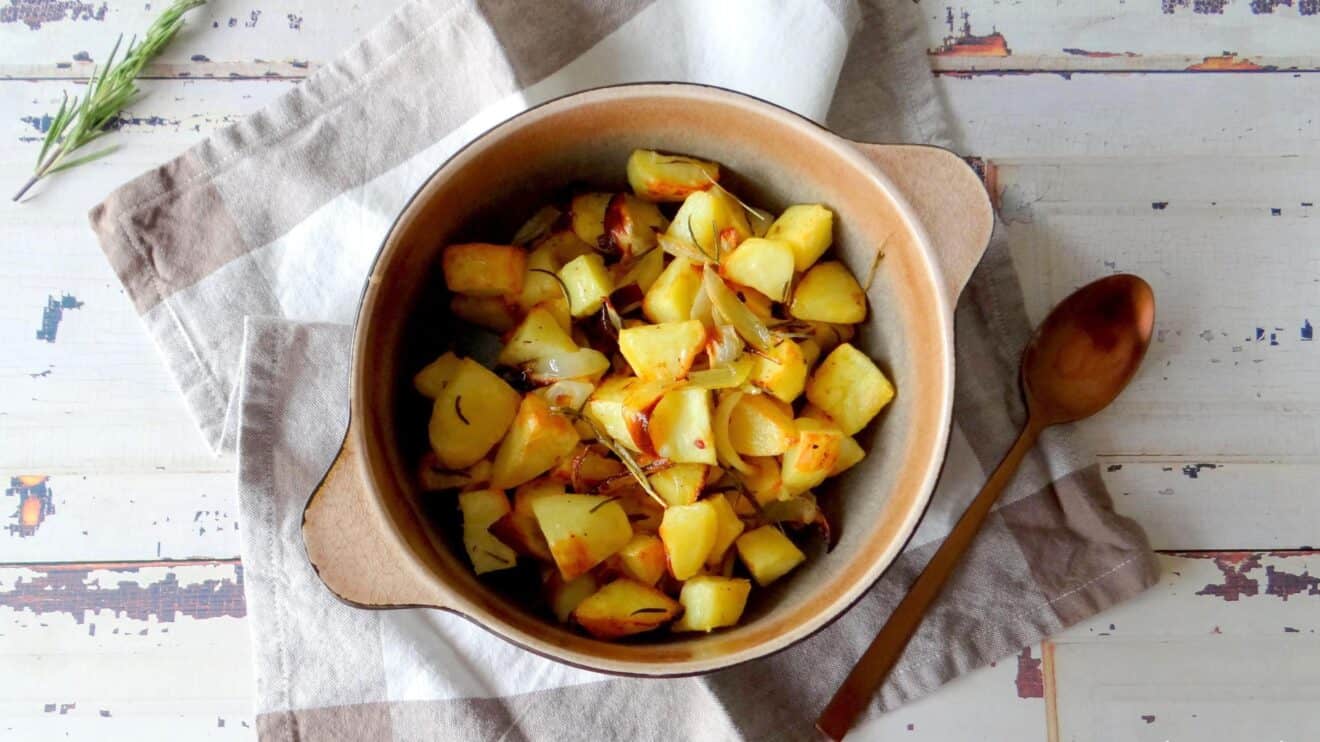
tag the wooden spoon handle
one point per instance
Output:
(875, 664)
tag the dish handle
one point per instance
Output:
(950, 201)
(351, 547)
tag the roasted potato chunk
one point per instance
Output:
(727, 528)
(761, 425)
(588, 282)
(631, 225)
(849, 388)
(471, 415)
(660, 177)
(680, 484)
(581, 530)
(711, 222)
(431, 380)
(689, 533)
(765, 265)
(643, 558)
(829, 293)
(566, 596)
(712, 602)
(494, 313)
(670, 298)
(781, 371)
(480, 509)
(663, 351)
(809, 228)
(587, 213)
(483, 269)
(680, 427)
(812, 456)
(624, 607)
(768, 554)
(537, 440)
(538, 336)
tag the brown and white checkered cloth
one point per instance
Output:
(246, 254)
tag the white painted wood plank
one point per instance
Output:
(133, 651)
(109, 517)
(97, 398)
(1114, 35)
(1211, 116)
(1222, 649)
(1001, 702)
(225, 37)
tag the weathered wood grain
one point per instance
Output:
(1083, 36)
(140, 650)
(1224, 648)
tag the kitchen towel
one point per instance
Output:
(245, 256)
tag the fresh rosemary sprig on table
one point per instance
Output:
(111, 87)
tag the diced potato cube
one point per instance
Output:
(850, 454)
(491, 312)
(781, 371)
(622, 406)
(670, 298)
(537, 440)
(431, 380)
(538, 336)
(829, 293)
(764, 480)
(768, 554)
(688, 532)
(765, 265)
(761, 425)
(581, 530)
(519, 528)
(471, 415)
(480, 509)
(829, 335)
(809, 228)
(660, 177)
(662, 351)
(712, 602)
(569, 393)
(643, 558)
(703, 219)
(482, 269)
(563, 246)
(812, 456)
(587, 212)
(727, 528)
(565, 597)
(849, 388)
(681, 427)
(631, 224)
(624, 607)
(680, 484)
(589, 284)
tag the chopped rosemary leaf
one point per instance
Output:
(648, 610)
(603, 503)
(458, 409)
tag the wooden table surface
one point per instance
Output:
(1177, 139)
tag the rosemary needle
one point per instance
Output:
(111, 87)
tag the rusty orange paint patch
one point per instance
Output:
(961, 42)
(35, 502)
(1098, 55)
(1228, 62)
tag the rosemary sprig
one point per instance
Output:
(618, 450)
(111, 87)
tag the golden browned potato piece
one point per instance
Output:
(538, 336)
(581, 530)
(565, 597)
(849, 388)
(710, 221)
(765, 265)
(494, 313)
(689, 532)
(680, 484)
(768, 554)
(471, 415)
(660, 177)
(781, 371)
(624, 607)
(631, 224)
(483, 269)
(829, 293)
(711, 602)
(727, 528)
(663, 351)
(519, 528)
(587, 213)
(643, 558)
(761, 425)
(680, 427)
(480, 509)
(588, 282)
(431, 380)
(537, 440)
(809, 228)
(670, 298)
(812, 456)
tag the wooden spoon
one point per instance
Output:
(1083, 354)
